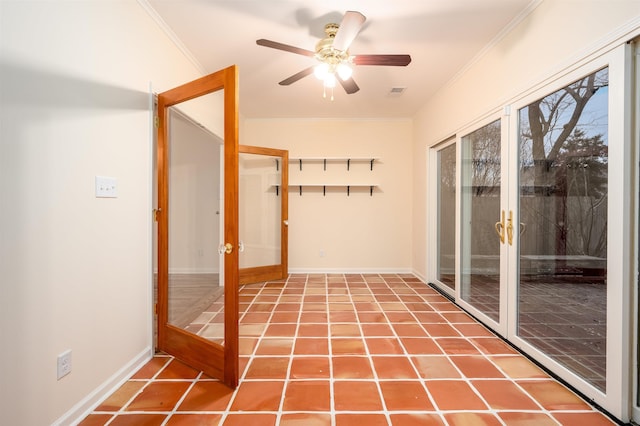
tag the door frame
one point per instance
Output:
(281, 270)
(219, 361)
(499, 326)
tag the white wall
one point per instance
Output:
(194, 201)
(259, 218)
(75, 269)
(358, 232)
(555, 35)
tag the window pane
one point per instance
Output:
(480, 209)
(446, 215)
(563, 167)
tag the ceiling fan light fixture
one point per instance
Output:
(332, 54)
(344, 71)
(330, 80)
(321, 71)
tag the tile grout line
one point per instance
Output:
(372, 364)
(121, 410)
(393, 286)
(332, 396)
(285, 385)
(234, 394)
(182, 398)
(406, 353)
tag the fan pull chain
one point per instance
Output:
(324, 92)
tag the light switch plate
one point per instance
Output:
(106, 187)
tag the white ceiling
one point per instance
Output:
(442, 37)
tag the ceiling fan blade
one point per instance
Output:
(349, 29)
(386, 60)
(285, 47)
(349, 85)
(305, 72)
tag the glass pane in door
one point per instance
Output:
(446, 215)
(260, 209)
(480, 208)
(563, 185)
(196, 291)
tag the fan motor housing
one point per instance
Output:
(324, 48)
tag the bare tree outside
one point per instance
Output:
(563, 161)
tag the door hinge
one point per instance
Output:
(156, 121)
(156, 214)
(155, 308)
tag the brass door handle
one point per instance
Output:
(510, 228)
(500, 228)
(225, 248)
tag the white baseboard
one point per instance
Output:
(188, 271)
(350, 271)
(419, 275)
(85, 406)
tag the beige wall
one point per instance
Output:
(194, 201)
(555, 36)
(259, 217)
(75, 268)
(358, 232)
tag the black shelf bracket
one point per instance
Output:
(277, 164)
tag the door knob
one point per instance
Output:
(225, 248)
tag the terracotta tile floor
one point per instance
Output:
(565, 316)
(347, 350)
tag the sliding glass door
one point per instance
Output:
(480, 208)
(543, 248)
(445, 167)
(563, 205)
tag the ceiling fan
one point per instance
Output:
(332, 53)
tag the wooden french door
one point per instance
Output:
(196, 253)
(263, 213)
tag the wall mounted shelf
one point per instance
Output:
(324, 187)
(346, 160)
(325, 160)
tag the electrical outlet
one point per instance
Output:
(64, 364)
(322, 253)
